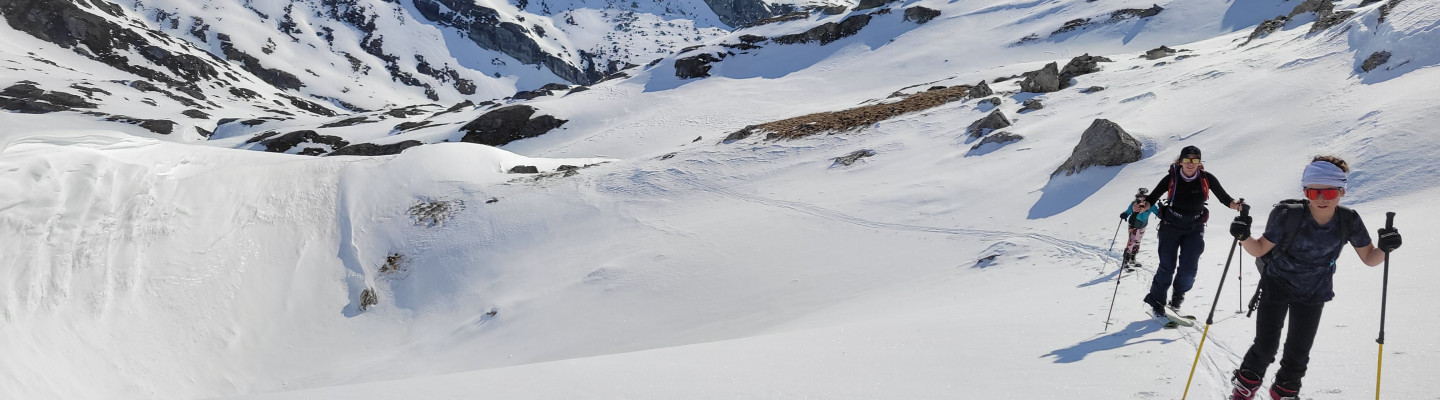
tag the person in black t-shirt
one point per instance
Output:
(1182, 226)
(1298, 278)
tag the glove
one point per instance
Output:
(1124, 215)
(1240, 228)
(1389, 239)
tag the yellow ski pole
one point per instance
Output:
(1244, 211)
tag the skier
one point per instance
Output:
(1138, 214)
(1301, 242)
(1182, 226)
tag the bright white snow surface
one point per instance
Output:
(139, 268)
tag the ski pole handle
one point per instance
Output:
(1389, 220)
(1244, 208)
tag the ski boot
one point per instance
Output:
(1246, 383)
(1283, 391)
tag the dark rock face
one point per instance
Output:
(1267, 27)
(159, 126)
(1386, 8)
(1032, 104)
(1092, 89)
(1044, 80)
(697, 66)
(1104, 144)
(66, 24)
(30, 99)
(794, 16)
(920, 14)
(738, 13)
(1084, 64)
(850, 159)
(196, 114)
(283, 143)
(484, 26)
(1321, 7)
(352, 121)
(829, 32)
(869, 4)
(275, 77)
(997, 138)
(1159, 52)
(1375, 61)
(504, 125)
(1328, 21)
(980, 90)
(371, 149)
(996, 120)
(524, 169)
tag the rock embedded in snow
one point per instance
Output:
(849, 159)
(994, 121)
(1044, 80)
(524, 169)
(920, 14)
(283, 143)
(371, 149)
(1266, 28)
(1328, 21)
(1158, 53)
(993, 101)
(504, 125)
(1031, 104)
(980, 90)
(828, 32)
(1321, 7)
(697, 66)
(1081, 65)
(869, 4)
(1092, 89)
(1375, 60)
(997, 138)
(30, 99)
(1105, 143)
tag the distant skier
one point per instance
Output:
(1138, 215)
(1297, 278)
(1182, 226)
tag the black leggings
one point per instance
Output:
(1269, 320)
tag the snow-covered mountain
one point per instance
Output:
(691, 228)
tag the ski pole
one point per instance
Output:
(1244, 211)
(1384, 290)
(1240, 291)
(1119, 274)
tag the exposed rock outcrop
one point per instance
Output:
(696, 66)
(992, 122)
(1375, 61)
(1105, 143)
(920, 14)
(504, 125)
(828, 32)
(283, 143)
(850, 159)
(1044, 80)
(371, 149)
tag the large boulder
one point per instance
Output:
(1044, 80)
(920, 14)
(999, 138)
(697, 66)
(504, 125)
(1105, 143)
(995, 120)
(1375, 60)
(1084, 64)
(980, 90)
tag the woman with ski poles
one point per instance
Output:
(1297, 255)
(1182, 226)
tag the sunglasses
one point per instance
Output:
(1326, 194)
(1190, 160)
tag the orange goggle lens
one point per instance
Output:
(1318, 194)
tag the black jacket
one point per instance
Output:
(1189, 196)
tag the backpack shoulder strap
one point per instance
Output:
(1294, 212)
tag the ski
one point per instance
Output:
(1181, 320)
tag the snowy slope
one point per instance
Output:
(144, 269)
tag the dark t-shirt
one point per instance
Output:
(1306, 269)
